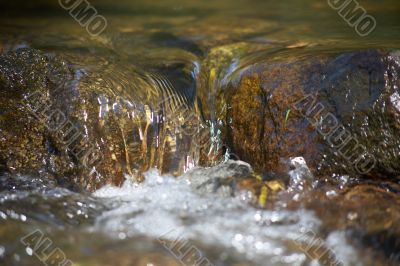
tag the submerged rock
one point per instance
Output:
(90, 126)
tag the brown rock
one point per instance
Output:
(274, 107)
(89, 127)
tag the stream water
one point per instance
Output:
(159, 221)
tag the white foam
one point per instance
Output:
(163, 204)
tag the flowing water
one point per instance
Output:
(135, 224)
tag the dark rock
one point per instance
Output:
(290, 106)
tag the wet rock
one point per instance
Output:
(338, 111)
(23, 141)
(90, 121)
(221, 179)
(92, 125)
(368, 212)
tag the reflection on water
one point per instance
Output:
(192, 48)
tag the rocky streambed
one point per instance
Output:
(172, 139)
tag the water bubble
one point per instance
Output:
(276, 217)
(257, 217)
(121, 235)
(352, 216)
(259, 245)
(2, 251)
(3, 215)
(331, 193)
(29, 251)
(238, 237)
